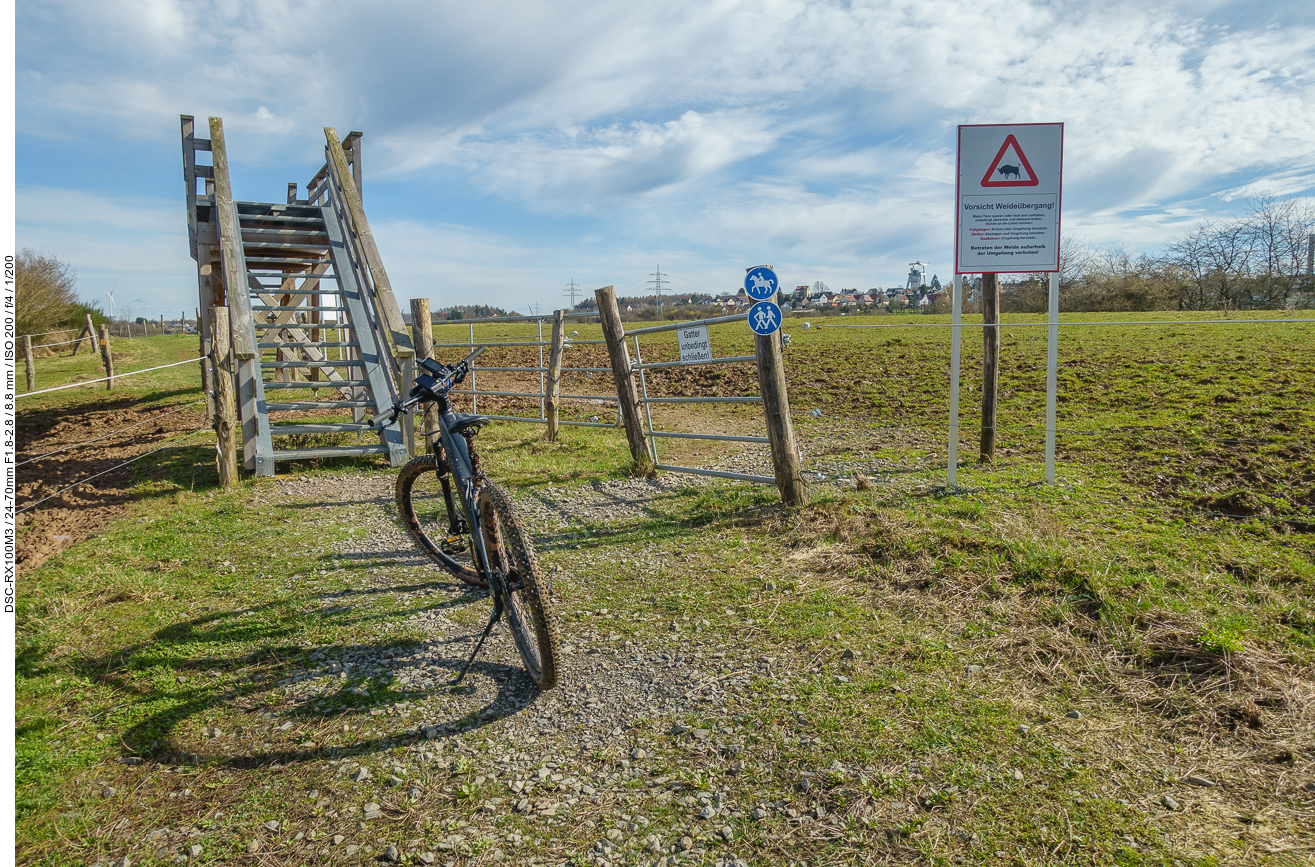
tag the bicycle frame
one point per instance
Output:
(456, 455)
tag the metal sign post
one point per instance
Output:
(1052, 365)
(952, 471)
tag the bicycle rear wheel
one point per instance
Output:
(529, 609)
(423, 507)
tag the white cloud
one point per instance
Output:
(704, 132)
(123, 245)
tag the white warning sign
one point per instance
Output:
(1009, 196)
(694, 345)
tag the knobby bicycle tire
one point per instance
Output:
(424, 512)
(529, 612)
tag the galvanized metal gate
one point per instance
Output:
(653, 435)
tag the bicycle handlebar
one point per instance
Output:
(451, 374)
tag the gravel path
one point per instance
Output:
(604, 763)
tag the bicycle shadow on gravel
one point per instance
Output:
(172, 671)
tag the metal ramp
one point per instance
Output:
(315, 325)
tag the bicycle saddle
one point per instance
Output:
(465, 420)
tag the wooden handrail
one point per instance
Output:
(230, 244)
(385, 300)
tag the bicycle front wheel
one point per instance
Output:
(529, 608)
(424, 509)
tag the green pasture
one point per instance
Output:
(1163, 589)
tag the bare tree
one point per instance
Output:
(46, 291)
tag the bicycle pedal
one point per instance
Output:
(453, 545)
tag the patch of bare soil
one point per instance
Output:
(114, 431)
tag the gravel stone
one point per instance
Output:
(1169, 802)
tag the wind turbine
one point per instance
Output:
(110, 295)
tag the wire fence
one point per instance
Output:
(116, 376)
(103, 439)
(537, 375)
(119, 466)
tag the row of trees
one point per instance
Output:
(1259, 261)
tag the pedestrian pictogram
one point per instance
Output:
(764, 318)
(1010, 167)
(760, 283)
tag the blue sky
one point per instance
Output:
(512, 146)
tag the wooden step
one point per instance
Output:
(320, 343)
(266, 249)
(268, 365)
(337, 383)
(313, 405)
(307, 326)
(284, 261)
(305, 307)
(279, 430)
(328, 452)
(266, 211)
(297, 231)
(268, 273)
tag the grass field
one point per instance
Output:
(1112, 670)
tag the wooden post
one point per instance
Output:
(107, 355)
(225, 419)
(31, 365)
(609, 316)
(89, 333)
(780, 430)
(422, 335)
(207, 376)
(990, 362)
(408, 375)
(554, 396)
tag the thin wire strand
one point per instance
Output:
(61, 343)
(111, 433)
(825, 325)
(110, 470)
(44, 333)
(116, 376)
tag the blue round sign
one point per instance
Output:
(760, 283)
(764, 317)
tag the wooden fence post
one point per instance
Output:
(225, 420)
(89, 332)
(626, 393)
(107, 355)
(780, 430)
(207, 377)
(422, 335)
(31, 365)
(554, 396)
(990, 361)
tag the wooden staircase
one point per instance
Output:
(315, 325)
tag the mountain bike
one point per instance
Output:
(469, 526)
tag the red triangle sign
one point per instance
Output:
(1005, 171)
